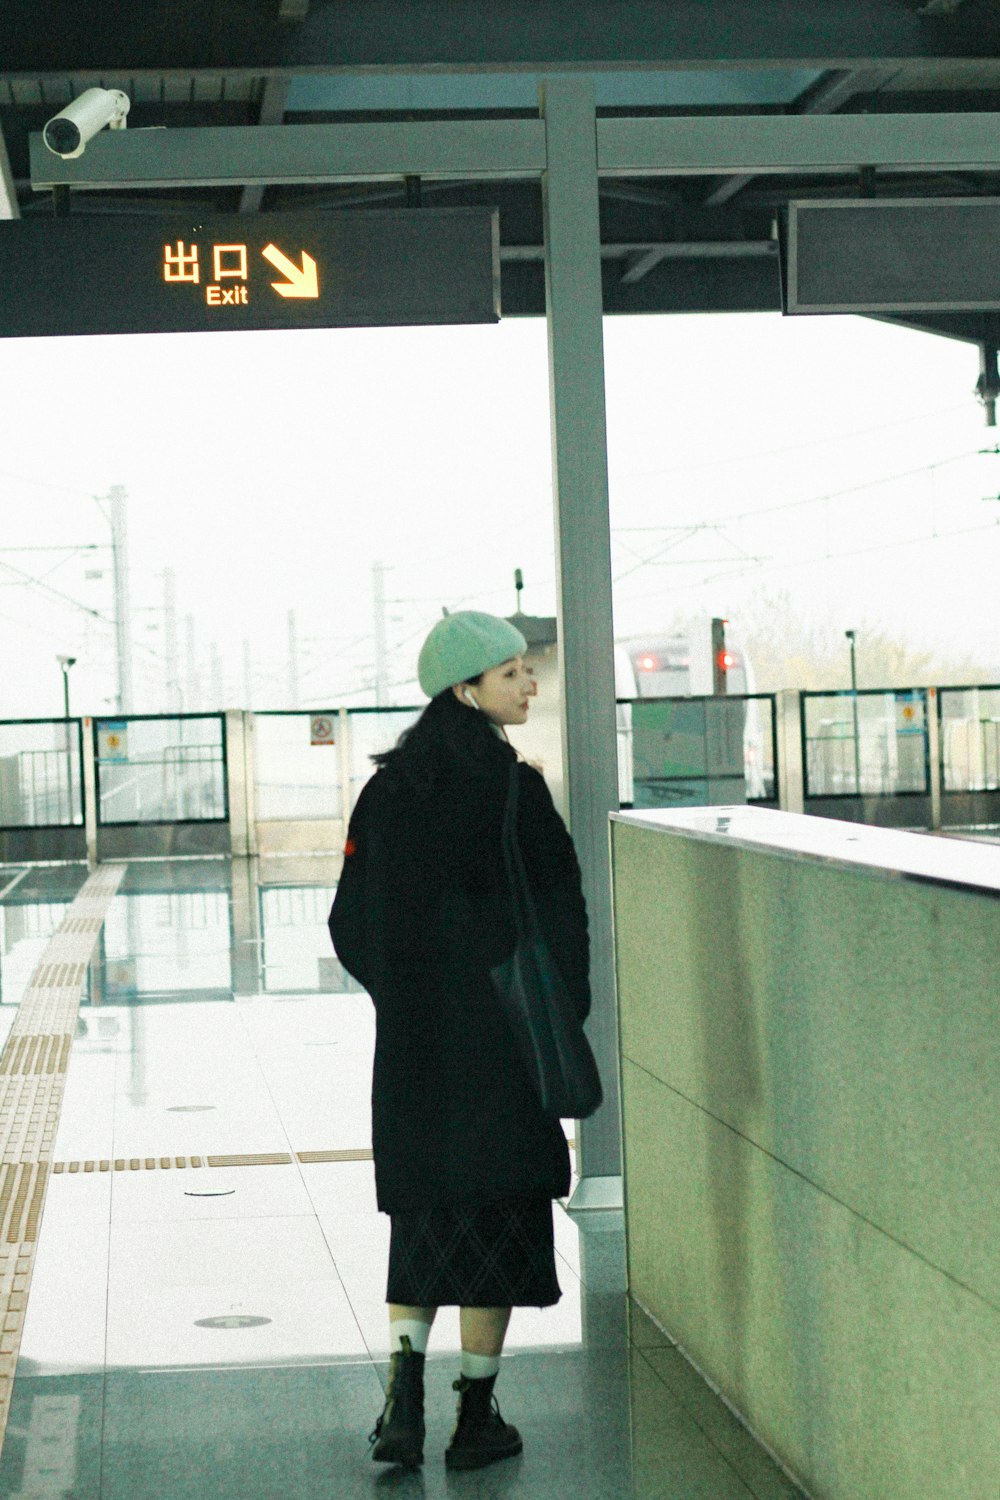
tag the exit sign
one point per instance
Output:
(371, 268)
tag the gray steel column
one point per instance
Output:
(583, 569)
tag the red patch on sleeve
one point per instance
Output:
(350, 847)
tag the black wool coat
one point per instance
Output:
(421, 914)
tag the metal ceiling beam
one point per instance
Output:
(512, 34)
(794, 144)
(480, 149)
(661, 249)
(9, 207)
(259, 155)
(272, 112)
(833, 92)
(589, 34)
(826, 99)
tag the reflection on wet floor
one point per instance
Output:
(33, 901)
(221, 1331)
(207, 929)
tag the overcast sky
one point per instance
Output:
(270, 470)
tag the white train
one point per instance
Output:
(714, 753)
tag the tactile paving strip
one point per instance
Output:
(171, 1163)
(32, 1080)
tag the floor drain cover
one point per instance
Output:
(232, 1320)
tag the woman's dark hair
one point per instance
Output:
(446, 734)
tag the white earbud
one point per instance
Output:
(470, 700)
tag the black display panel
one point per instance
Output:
(893, 255)
(391, 267)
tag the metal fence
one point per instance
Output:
(873, 743)
(174, 771)
(160, 769)
(970, 739)
(40, 781)
(301, 765)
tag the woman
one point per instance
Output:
(466, 1162)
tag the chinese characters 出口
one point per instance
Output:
(181, 263)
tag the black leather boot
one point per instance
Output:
(399, 1432)
(481, 1435)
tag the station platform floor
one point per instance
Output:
(206, 1316)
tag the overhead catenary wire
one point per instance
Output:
(831, 437)
(782, 507)
(819, 559)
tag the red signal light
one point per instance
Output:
(648, 663)
(726, 660)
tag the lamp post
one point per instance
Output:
(65, 663)
(854, 703)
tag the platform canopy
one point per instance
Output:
(684, 242)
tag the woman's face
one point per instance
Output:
(503, 692)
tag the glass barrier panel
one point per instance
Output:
(700, 752)
(970, 739)
(40, 780)
(161, 770)
(296, 779)
(372, 731)
(874, 743)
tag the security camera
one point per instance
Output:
(68, 132)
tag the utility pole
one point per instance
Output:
(174, 697)
(247, 676)
(218, 683)
(378, 599)
(65, 662)
(854, 703)
(293, 662)
(123, 624)
(191, 666)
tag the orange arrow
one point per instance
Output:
(302, 280)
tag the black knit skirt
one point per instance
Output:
(498, 1254)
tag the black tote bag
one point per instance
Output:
(547, 1031)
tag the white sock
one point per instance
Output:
(415, 1329)
(478, 1366)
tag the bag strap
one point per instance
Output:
(525, 914)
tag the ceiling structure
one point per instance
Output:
(669, 244)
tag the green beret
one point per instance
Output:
(464, 644)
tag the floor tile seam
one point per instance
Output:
(331, 1251)
(248, 1033)
(692, 1415)
(819, 1188)
(101, 1467)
